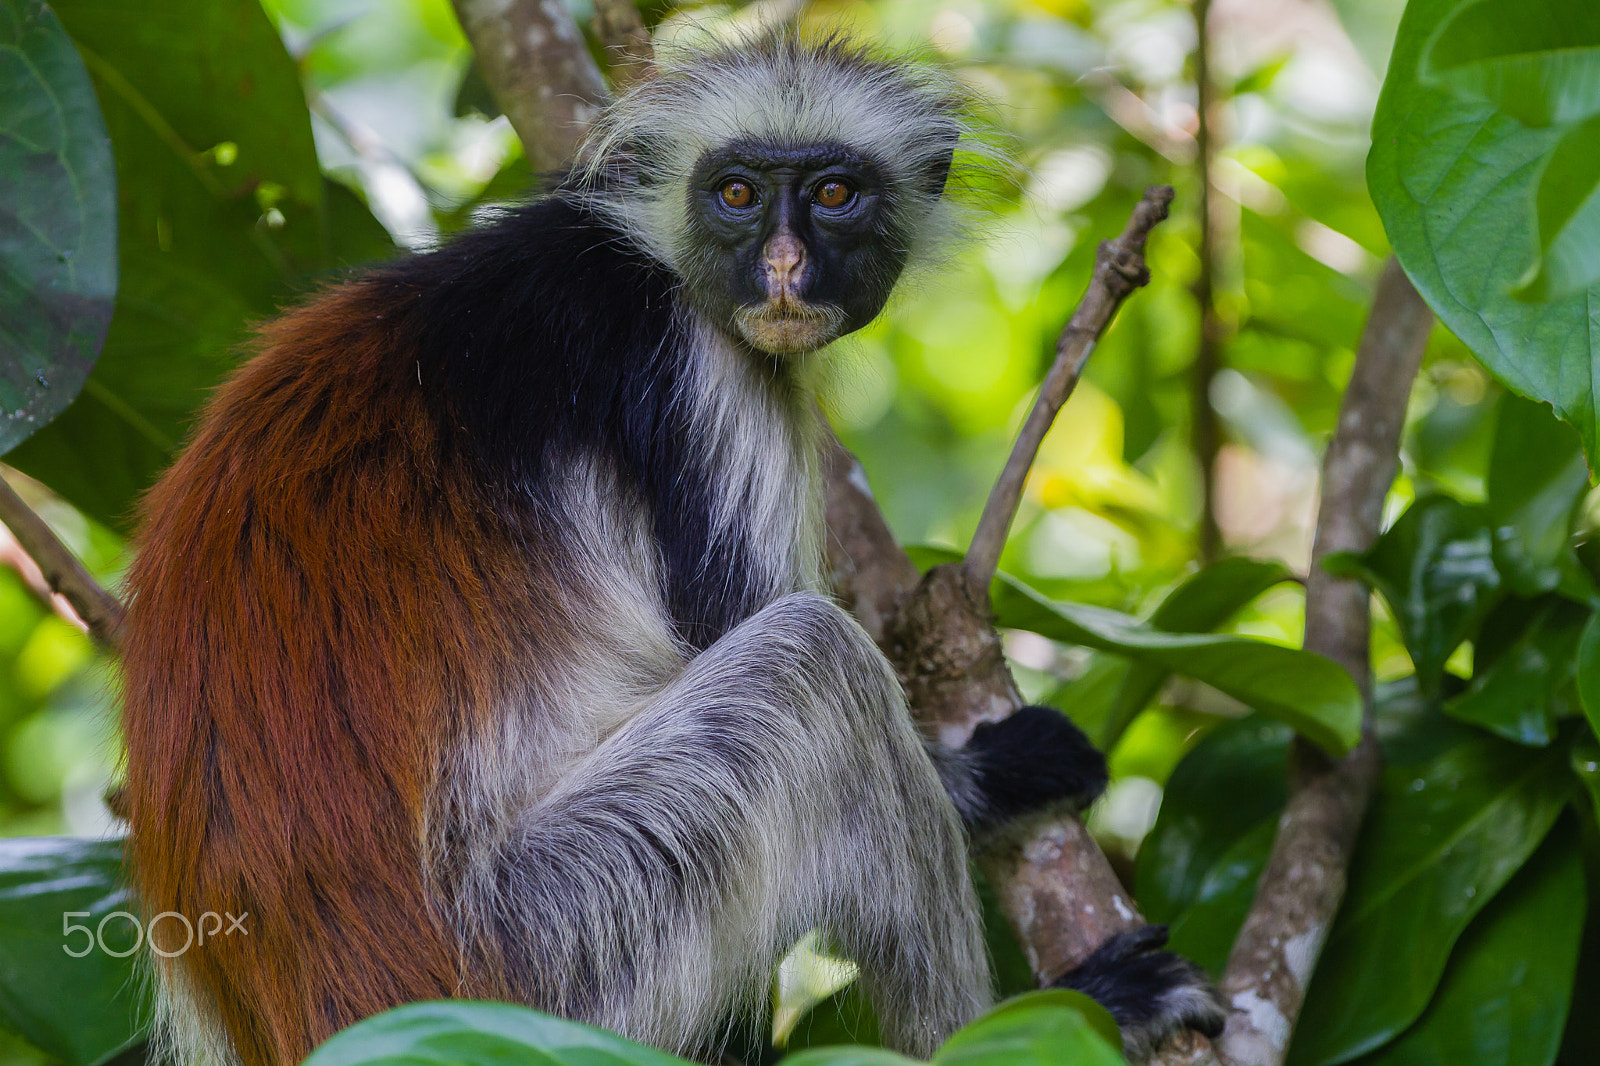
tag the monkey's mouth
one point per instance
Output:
(788, 326)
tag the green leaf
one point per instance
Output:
(1453, 179)
(513, 182)
(1444, 834)
(1536, 479)
(1505, 995)
(1536, 60)
(1090, 698)
(1585, 763)
(1202, 602)
(1233, 781)
(1588, 672)
(81, 1010)
(1568, 205)
(843, 1019)
(463, 1033)
(1198, 867)
(848, 1055)
(1311, 693)
(1027, 1003)
(1435, 568)
(1036, 1029)
(223, 215)
(58, 221)
(1523, 692)
(1207, 928)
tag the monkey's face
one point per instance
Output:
(790, 248)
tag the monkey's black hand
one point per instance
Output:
(1153, 994)
(1029, 761)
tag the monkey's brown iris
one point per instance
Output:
(833, 194)
(737, 194)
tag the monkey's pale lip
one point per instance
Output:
(789, 327)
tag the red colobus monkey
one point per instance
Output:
(479, 646)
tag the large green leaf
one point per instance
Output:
(1526, 689)
(1201, 603)
(1039, 1029)
(1049, 1028)
(1443, 836)
(224, 213)
(1568, 209)
(1588, 672)
(1536, 60)
(1454, 177)
(67, 991)
(462, 1033)
(1539, 62)
(1307, 691)
(1505, 995)
(1232, 782)
(1456, 814)
(1536, 479)
(1435, 568)
(58, 221)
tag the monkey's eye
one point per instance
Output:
(833, 194)
(736, 193)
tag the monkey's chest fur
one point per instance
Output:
(662, 490)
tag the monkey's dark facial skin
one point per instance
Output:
(791, 248)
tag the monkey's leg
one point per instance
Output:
(777, 785)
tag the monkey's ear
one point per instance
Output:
(938, 172)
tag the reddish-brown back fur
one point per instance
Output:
(317, 599)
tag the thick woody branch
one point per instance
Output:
(541, 74)
(1119, 268)
(62, 571)
(1305, 877)
(623, 35)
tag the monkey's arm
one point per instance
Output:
(1035, 759)
(775, 787)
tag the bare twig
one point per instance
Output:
(1304, 880)
(626, 41)
(100, 610)
(1205, 433)
(1119, 268)
(541, 74)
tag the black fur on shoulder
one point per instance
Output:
(1152, 994)
(546, 335)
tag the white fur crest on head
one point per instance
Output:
(635, 166)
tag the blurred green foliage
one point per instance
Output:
(260, 148)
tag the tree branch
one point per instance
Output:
(623, 35)
(1304, 879)
(1119, 268)
(1205, 432)
(541, 74)
(65, 575)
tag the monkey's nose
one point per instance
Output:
(783, 259)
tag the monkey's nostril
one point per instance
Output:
(783, 258)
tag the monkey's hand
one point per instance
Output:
(1031, 760)
(1153, 994)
